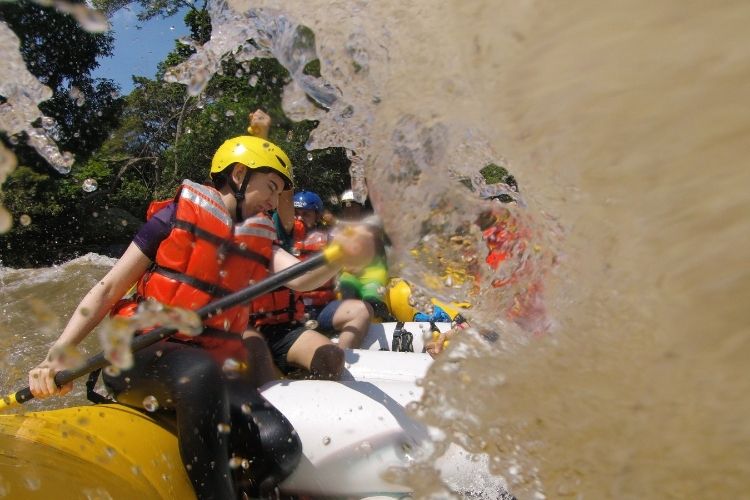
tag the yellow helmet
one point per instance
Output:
(253, 152)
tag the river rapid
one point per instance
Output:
(625, 126)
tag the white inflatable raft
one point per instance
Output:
(380, 336)
(352, 432)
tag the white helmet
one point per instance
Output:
(347, 197)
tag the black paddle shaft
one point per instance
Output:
(247, 294)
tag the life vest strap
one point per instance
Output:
(221, 242)
(290, 310)
(204, 286)
(91, 393)
(219, 334)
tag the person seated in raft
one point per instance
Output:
(507, 238)
(292, 322)
(440, 341)
(370, 284)
(296, 325)
(204, 243)
(402, 305)
(509, 241)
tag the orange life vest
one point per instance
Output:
(298, 234)
(286, 305)
(279, 307)
(206, 256)
(307, 243)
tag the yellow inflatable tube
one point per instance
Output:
(398, 300)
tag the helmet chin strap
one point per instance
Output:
(239, 193)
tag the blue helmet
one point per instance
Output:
(307, 200)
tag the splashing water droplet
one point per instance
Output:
(7, 162)
(47, 122)
(365, 447)
(112, 371)
(74, 92)
(4, 487)
(32, 483)
(6, 220)
(89, 185)
(150, 403)
(90, 19)
(115, 336)
(309, 157)
(232, 368)
(67, 356)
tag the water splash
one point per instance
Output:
(150, 403)
(441, 245)
(23, 93)
(7, 165)
(91, 20)
(586, 132)
(116, 333)
(89, 185)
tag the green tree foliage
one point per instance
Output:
(149, 8)
(223, 112)
(163, 136)
(494, 173)
(61, 55)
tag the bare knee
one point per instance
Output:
(327, 362)
(352, 310)
(352, 319)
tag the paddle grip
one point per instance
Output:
(23, 395)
